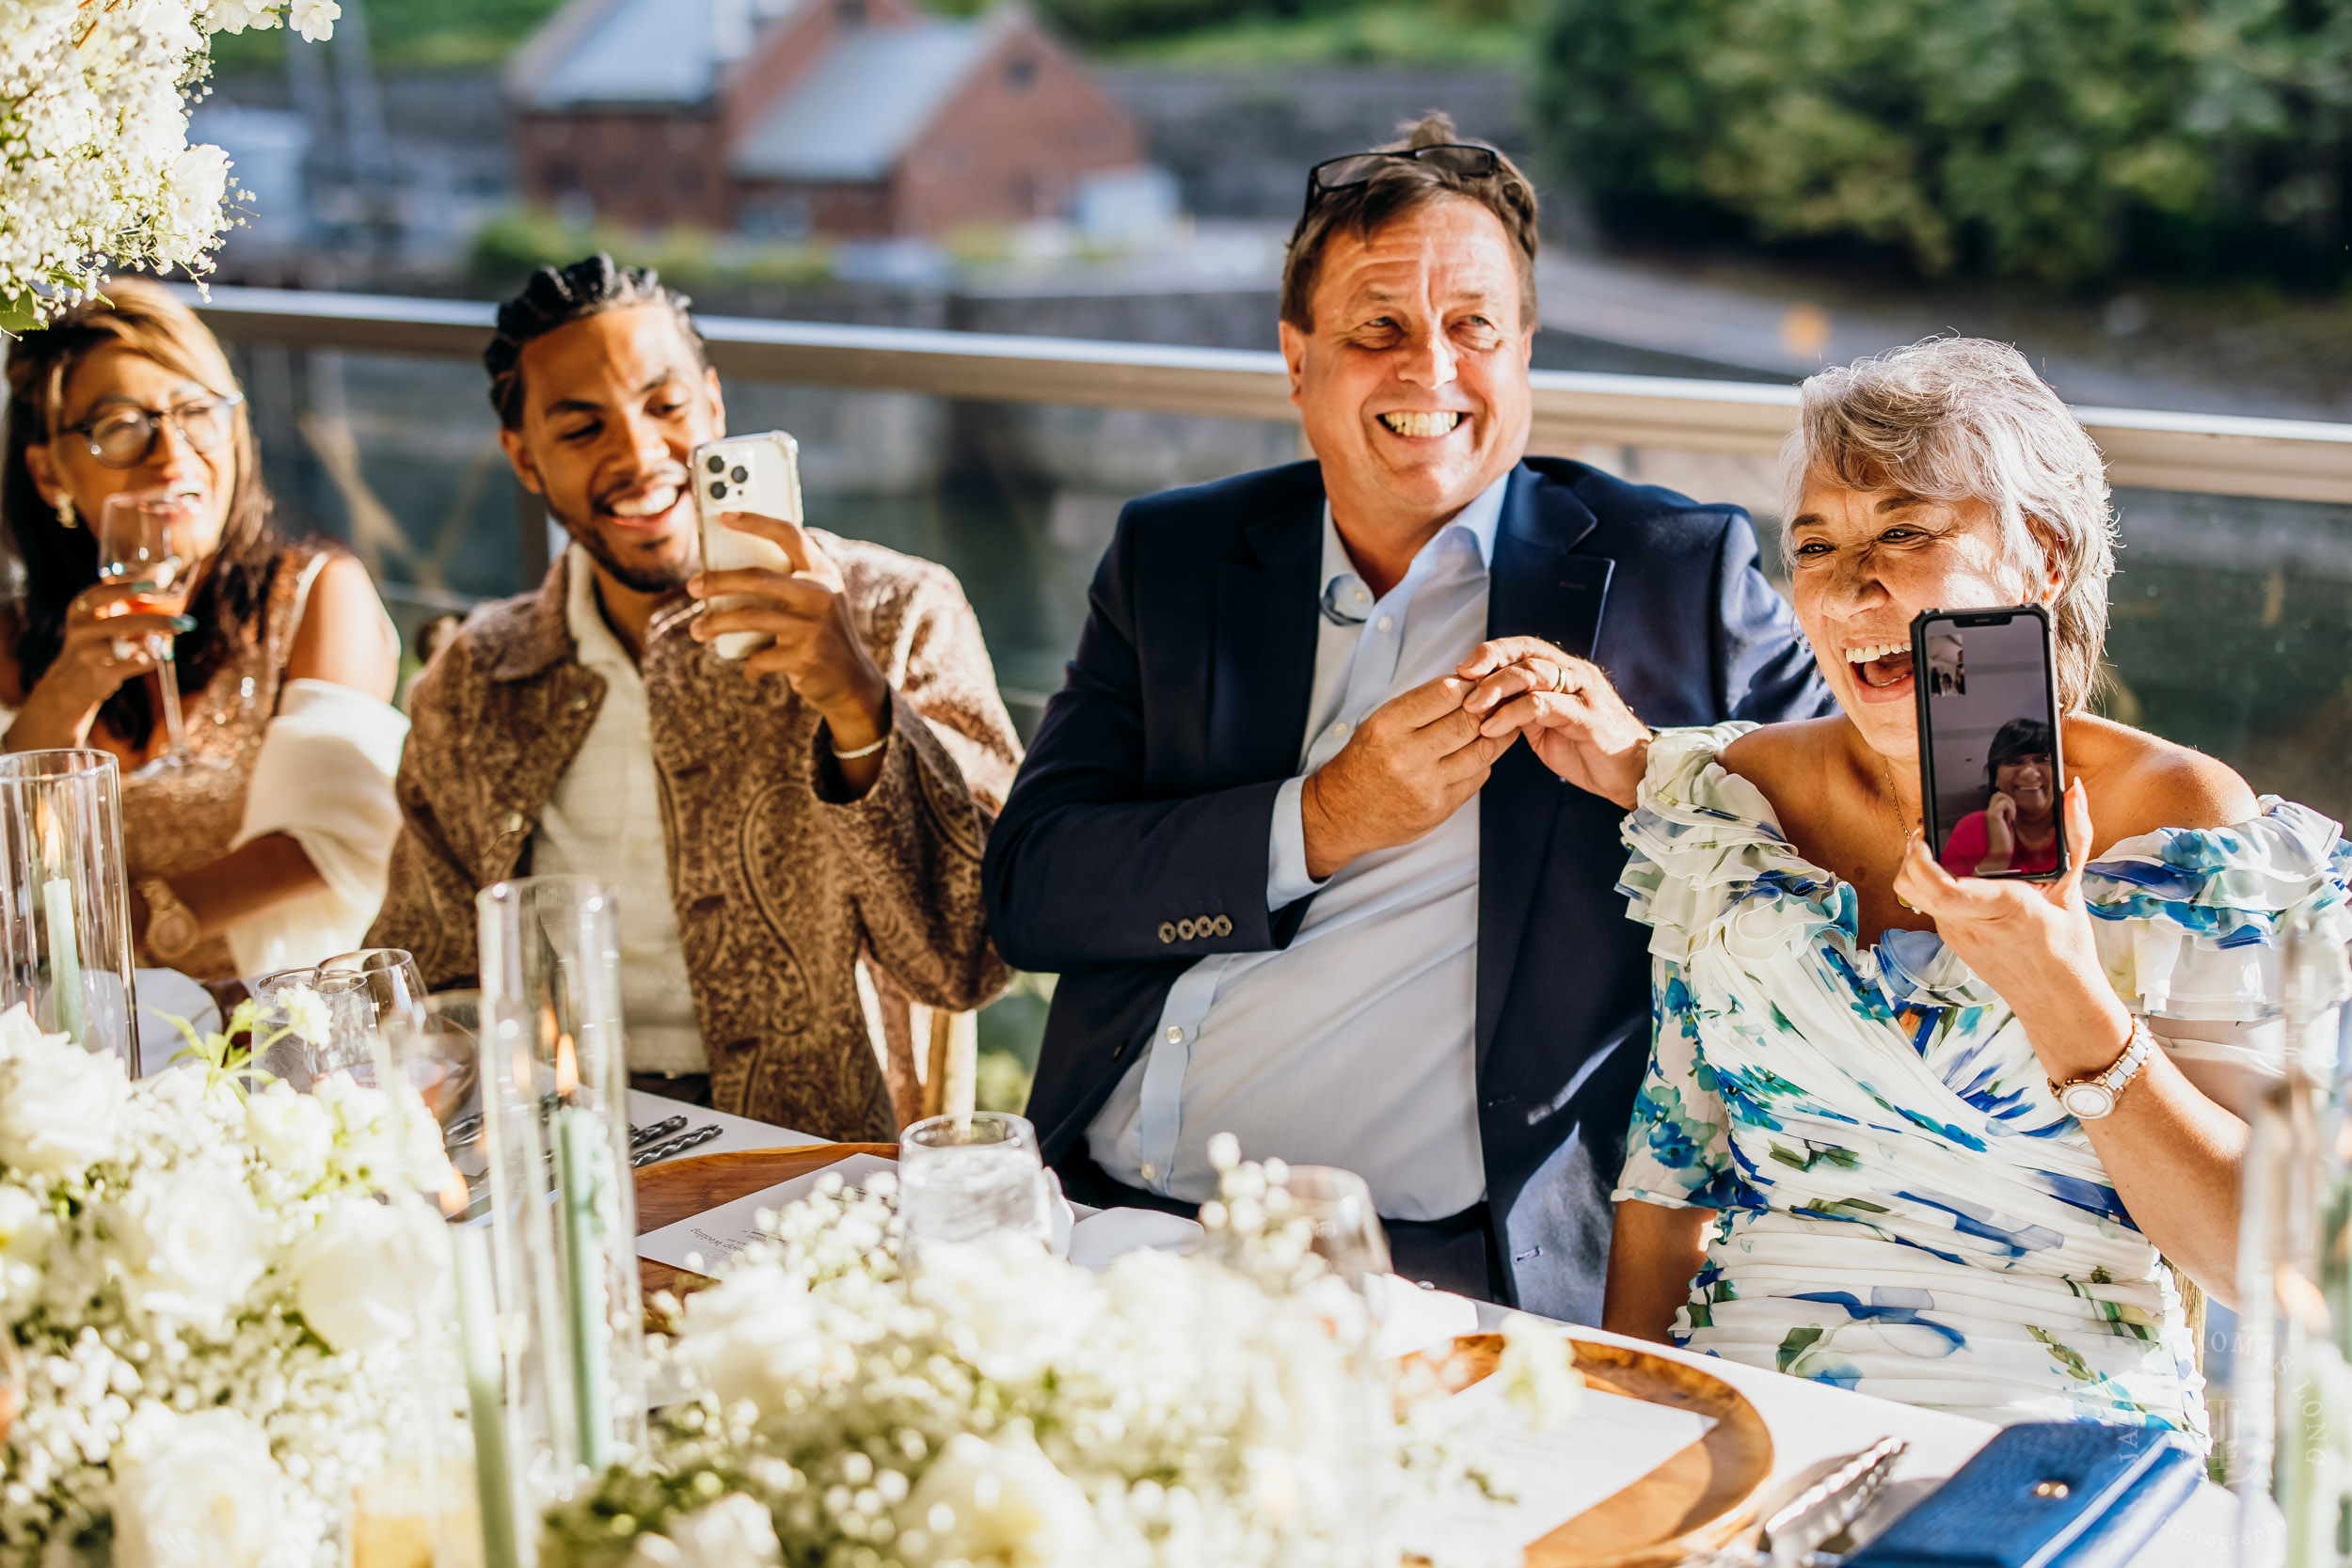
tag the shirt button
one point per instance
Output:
(1175, 1034)
(1363, 597)
(1150, 1173)
(1384, 622)
(1340, 728)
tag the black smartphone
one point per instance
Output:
(1992, 777)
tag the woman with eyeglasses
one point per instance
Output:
(270, 849)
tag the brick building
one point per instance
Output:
(849, 118)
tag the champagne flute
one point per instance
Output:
(142, 537)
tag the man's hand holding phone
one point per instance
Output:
(816, 647)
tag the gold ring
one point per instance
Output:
(1559, 679)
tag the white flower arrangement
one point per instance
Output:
(96, 173)
(1002, 1408)
(208, 1304)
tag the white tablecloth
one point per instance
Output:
(1812, 1422)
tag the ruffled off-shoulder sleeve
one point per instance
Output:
(2191, 923)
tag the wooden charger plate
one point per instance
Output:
(1700, 1500)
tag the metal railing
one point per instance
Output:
(2210, 454)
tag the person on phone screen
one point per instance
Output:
(1926, 1135)
(268, 851)
(2017, 829)
(795, 838)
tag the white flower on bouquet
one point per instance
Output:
(60, 1106)
(94, 155)
(998, 1504)
(733, 1532)
(373, 1271)
(197, 1491)
(194, 1244)
(294, 1133)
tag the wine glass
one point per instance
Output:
(143, 536)
(971, 1177)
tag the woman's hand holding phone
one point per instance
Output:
(816, 647)
(2032, 942)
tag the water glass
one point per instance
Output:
(388, 976)
(430, 1056)
(1338, 1205)
(288, 1048)
(65, 922)
(972, 1179)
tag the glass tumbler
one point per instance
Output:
(1347, 1234)
(972, 1179)
(65, 921)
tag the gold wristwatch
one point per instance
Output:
(171, 929)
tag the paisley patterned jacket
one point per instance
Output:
(782, 885)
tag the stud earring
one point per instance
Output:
(65, 512)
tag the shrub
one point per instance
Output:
(2057, 139)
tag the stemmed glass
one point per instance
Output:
(143, 536)
(1348, 1232)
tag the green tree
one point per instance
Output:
(2057, 139)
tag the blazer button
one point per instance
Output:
(1184, 929)
(579, 704)
(510, 822)
(1223, 927)
(1168, 932)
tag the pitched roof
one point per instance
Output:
(636, 51)
(863, 104)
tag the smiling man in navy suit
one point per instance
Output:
(1245, 835)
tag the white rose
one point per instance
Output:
(199, 183)
(314, 19)
(371, 1272)
(1009, 1306)
(293, 1133)
(996, 1505)
(60, 1104)
(752, 1335)
(235, 16)
(195, 1242)
(26, 1228)
(733, 1532)
(194, 1492)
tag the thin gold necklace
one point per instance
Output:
(1902, 835)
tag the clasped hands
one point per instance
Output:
(1423, 753)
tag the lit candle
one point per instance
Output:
(582, 1176)
(485, 1395)
(65, 951)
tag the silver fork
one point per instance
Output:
(1816, 1514)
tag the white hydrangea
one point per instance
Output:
(156, 1291)
(95, 163)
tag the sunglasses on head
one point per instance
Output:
(1338, 174)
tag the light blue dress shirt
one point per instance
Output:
(1353, 1046)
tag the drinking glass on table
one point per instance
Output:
(1338, 1205)
(142, 537)
(430, 1058)
(972, 1179)
(387, 977)
(301, 1052)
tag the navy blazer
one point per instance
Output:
(1147, 797)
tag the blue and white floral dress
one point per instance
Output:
(1905, 1211)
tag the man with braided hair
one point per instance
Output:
(795, 839)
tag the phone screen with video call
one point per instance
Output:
(1991, 777)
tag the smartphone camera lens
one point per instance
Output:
(740, 476)
(718, 489)
(717, 464)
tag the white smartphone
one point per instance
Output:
(745, 473)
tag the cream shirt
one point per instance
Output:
(604, 820)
